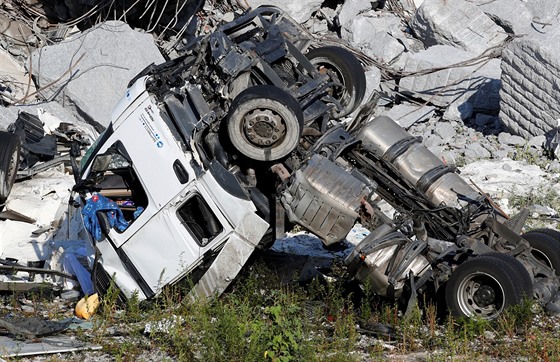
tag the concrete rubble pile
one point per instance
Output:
(478, 80)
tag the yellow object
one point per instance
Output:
(87, 306)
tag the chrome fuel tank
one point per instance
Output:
(388, 141)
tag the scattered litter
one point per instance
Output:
(48, 345)
(164, 326)
(31, 327)
(87, 306)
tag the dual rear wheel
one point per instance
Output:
(265, 122)
(484, 286)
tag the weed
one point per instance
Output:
(528, 154)
(261, 319)
(542, 195)
(516, 318)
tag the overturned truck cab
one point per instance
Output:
(170, 217)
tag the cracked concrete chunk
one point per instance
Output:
(446, 131)
(351, 9)
(13, 81)
(374, 35)
(508, 139)
(544, 11)
(110, 55)
(457, 23)
(477, 84)
(458, 111)
(408, 114)
(512, 15)
(475, 151)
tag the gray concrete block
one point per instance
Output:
(383, 47)
(512, 15)
(112, 53)
(372, 35)
(362, 27)
(458, 111)
(475, 151)
(505, 138)
(457, 23)
(408, 114)
(478, 84)
(446, 131)
(301, 11)
(530, 94)
(350, 10)
(537, 142)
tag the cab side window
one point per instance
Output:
(199, 220)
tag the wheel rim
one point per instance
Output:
(338, 92)
(542, 257)
(263, 128)
(481, 295)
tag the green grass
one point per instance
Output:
(261, 319)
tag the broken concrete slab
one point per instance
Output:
(530, 96)
(351, 9)
(361, 29)
(301, 11)
(512, 140)
(10, 114)
(91, 71)
(476, 84)
(512, 15)
(458, 111)
(373, 78)
(382, 47)
(446, 131)
(373, 34)
(544, 11)
(17, 241)
(497, 180)
(14, 83)
(408, 114)
(458, 23)
(47, 345)
(475, 151)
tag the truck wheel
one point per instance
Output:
(550, 232)
(10, 146)
(343, 68)
(265, 123)
(485, 285)
(546, 247)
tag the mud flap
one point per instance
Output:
(231, 258)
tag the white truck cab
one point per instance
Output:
(179, 217)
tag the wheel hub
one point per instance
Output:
(484, 296)
(263, 128)
(480, 294)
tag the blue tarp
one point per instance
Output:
(98, 203)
